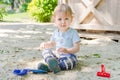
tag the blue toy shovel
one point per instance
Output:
(25, 72)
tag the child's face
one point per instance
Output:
(63, 21)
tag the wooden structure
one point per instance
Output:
(95, 14)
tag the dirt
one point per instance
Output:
(19, 49)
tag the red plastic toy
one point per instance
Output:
(103, 73)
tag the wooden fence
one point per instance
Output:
(95, 14)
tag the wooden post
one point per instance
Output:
(62, 1)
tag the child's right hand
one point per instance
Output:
(46, 45)
(42, 46)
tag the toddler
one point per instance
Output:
(65, 39)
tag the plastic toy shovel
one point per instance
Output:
(25, 72)
(103, 73)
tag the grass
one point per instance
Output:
(17, 17)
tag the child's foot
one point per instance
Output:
(42, 66)
(53, 65)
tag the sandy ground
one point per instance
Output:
(19, 49)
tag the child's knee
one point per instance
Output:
(67, 63)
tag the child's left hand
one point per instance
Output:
(62, 50)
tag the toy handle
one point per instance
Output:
(102, 68)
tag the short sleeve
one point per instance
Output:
(76, 37)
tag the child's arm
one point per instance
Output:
(74, 49)
(45, 45)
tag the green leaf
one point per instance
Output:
(43, 8)
(97, 55)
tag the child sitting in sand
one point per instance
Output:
(65, 39)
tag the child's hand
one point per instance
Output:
(42, 46)
(46, 45)
(62, 50)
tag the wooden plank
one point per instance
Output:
(89, 18)
(85, 13)
(96, 3)
(90, 36)
(88, 3)
(115, 28)
(62, 1)
(113, 10)
(101, 18)
(91, 8)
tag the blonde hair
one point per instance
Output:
(64, 8)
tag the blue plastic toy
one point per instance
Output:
(25, 72)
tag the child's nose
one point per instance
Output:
(63, 21)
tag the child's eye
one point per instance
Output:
(66, 18)
(59, 19)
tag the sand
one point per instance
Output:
(19, 49)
